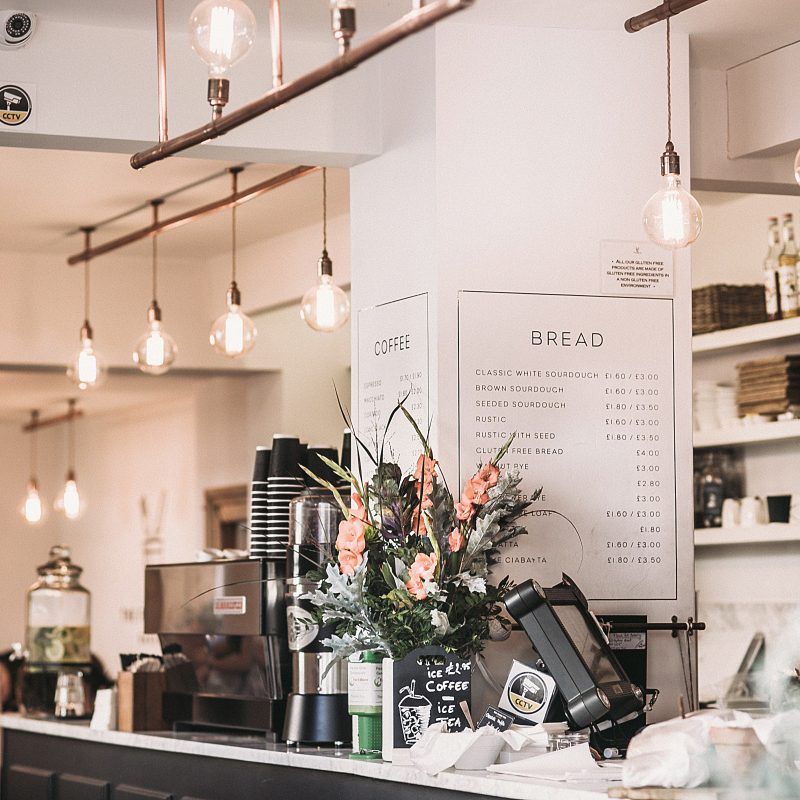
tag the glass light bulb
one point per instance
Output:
(325, 307)
(672, 217)
(70, 501)
(797, 167)
(222, 32)
(86, 370)
(155, 351)
(233, 334)
(32, 509)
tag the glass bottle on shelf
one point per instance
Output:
(712, 492)
(771, 263)
(787, 270)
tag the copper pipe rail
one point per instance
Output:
(234, 199)
(413, 22)
(669, 8)
(34, 425)
(161, 48)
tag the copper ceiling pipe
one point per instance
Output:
(414, 21)
(37, 422)
(161, 47)
(669, 8)
(276, 40)
(235, 199)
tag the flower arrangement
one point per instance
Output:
(412, 564)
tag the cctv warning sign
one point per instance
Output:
(16, 105)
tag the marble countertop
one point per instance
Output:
(239, 748)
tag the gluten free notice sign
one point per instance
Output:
(635, 268)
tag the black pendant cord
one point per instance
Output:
(34, 454)
(234, 184)
(669, 83)
(155, 204)
(87, 243)
(324, 209)
(71, 440)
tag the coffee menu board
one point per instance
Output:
(393, 365)
(587, 384)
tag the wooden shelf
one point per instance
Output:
(747, 335)
(748, 434)
(758, 534)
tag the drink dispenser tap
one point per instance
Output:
(316, 710)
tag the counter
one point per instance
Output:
(44, 754)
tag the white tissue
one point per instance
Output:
(439, 750)
(569, 764)
(105, 710)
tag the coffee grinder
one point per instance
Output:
(316, 709)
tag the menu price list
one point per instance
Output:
(393, 366)
(587, 385)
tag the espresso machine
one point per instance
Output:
(316, 709)
(223, 626)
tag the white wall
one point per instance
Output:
(504, 173)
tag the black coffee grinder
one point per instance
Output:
(316, 709)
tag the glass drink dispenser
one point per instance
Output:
(57, 638)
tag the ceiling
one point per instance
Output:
(723, 32)
(48, 391)
(103, 185)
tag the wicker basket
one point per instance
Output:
(721, 306)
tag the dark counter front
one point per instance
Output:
(37, 767)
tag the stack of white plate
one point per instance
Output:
(705, 406)
(727, 409)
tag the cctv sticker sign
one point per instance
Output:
(17, 106)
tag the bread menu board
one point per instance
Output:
(587, 384)
(393, 364)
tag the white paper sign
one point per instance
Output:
(640, 269)
(587, 385)
(392, 365)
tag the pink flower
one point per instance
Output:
(475, 491)
(464, 510)
(425, 466)
(423, 567)
(357, 509)
(416, 587)
(488, 473)
(349, 561)
(351, 536)
(455, 540)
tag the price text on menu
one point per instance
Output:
(392, 366)
(587, 385)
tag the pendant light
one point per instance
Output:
(233, 334)
(32, 509)
(672, 217)
(155, 351)
(325, 306)
(222, 33)
(69, 501)
(86, 370)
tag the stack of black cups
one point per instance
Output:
(258, 504)
(285, 481)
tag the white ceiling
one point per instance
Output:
(724, 32)
(48, 392)
(55, 192)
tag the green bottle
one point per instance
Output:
(365, 701)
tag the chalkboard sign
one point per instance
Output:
(427, 687)
(495, 718)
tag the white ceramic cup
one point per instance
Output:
(753, 512)
(731, 513)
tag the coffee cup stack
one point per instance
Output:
(285, 481)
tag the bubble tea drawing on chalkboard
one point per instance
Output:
(415, 714)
